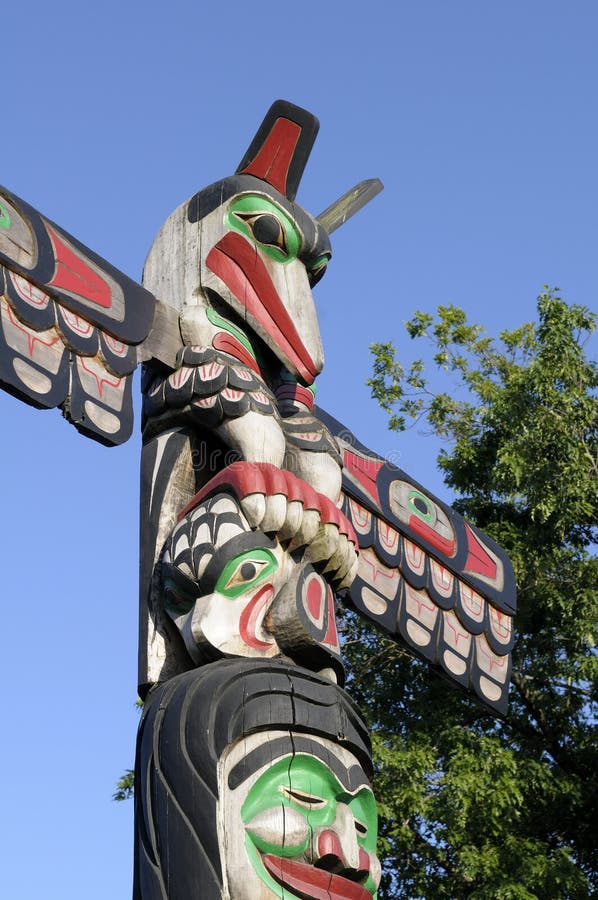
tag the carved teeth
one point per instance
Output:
(307, 530)
(275, 513)
(342, 563)
(350, 576)
(254, 507)
(324, 544)
(292, 521)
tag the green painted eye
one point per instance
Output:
(308, 785)
(245, 571)
(316, 269)
(267, 225)
(365, 813)
(308, 801)
(421, 506)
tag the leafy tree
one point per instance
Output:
(124, 786)
(474, 806)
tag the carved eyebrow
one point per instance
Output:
(351, 779)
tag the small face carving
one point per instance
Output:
(235, 592)
(297, 819)
(230, 617)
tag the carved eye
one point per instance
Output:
(266, 229)
(316, 270)
(423, 515)
(360, 828)
(309, 801)
(246, 572)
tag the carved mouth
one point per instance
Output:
(309, 883)
(240, 267)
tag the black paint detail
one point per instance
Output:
(187, 724)
(38, 317)
(79, 416)
(248, 571)
(315, 243)
(300, 423)
(267, 230)
(421, 505)
(138, 312)
(352, 779)
(57, 393)
(84, 339)
(122, 363)
(442, 593)
(309, 125)
(218, 388)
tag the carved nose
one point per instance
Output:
(337, 849)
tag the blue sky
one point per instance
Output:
(479, 118)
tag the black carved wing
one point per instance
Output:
(427, 576)
(70, 324)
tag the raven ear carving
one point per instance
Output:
(280, 149)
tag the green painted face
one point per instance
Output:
(304, 794)
(267, 225)
(307, 785)
(297, 819)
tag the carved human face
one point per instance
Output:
(235, 592)
(297, 819)
(240, 586)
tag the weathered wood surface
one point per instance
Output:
(253, 765)
(257, 780)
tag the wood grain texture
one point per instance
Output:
(74, 275)
(181, 832)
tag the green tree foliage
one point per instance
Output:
(124, 786)
(474, 806)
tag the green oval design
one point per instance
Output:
(266, 561)
(255, 203)
(428, 516)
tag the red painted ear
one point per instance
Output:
(279, 151)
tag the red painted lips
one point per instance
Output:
(313, 884)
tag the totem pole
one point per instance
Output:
(258, 513)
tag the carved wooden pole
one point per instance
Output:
(258, 511)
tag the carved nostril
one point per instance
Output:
(332, 859)
(358, 875)
(331, 863)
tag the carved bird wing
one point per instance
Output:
(72, 327)
(426, 576)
